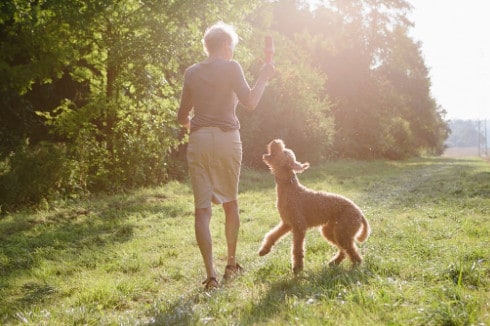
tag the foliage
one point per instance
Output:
(32, 174)
(103, 78)
(132, 258)
(298, 120)
(118, 66)
(376, 78)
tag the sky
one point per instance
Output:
(455, 38)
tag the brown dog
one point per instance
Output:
(341, 222)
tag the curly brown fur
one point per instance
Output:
(340, 221)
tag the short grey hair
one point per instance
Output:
(217, 35)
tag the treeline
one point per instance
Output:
(90, 89)
(468, 133)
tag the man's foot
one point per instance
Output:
(210, 283)
(232, 270)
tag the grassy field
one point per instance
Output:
(132, 259)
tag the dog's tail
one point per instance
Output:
(366, 230)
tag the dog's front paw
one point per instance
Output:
(264, 251)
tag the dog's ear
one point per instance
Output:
(293, 164)
(299, 167)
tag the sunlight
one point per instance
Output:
(456, 47)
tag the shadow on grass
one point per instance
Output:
(329, 284)
(199, 307)
(65, 234)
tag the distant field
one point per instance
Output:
(461, 152)
(132, 259)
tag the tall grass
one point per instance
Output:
(132, 259)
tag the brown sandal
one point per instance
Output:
(231, 271)
(210, 283)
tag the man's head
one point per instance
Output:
(218, 36)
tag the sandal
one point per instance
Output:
(231, 271)
(210, 283)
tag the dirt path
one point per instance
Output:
(428, 181)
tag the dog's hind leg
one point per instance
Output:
(353, 254)
(329, 234)
(338, 258)
(298, 250)
(272, 237)
(348, 246)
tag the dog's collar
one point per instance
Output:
(291, 180)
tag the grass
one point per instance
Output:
(132, 259)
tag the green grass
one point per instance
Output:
(132, 259)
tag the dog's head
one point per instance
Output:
(280, 158)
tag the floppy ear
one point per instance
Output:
(299, 167)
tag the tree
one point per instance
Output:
(295, 106)
(405, 72)
(121, 63)
(376, 79)
(93, 85)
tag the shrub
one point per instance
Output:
(303, 121)
(32, 173)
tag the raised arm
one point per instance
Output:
(257, 90)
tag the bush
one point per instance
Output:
(303, 121)
(32, 173)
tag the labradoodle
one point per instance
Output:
(340, 221)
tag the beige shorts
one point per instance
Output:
(214, 158)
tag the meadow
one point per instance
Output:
(132, 259)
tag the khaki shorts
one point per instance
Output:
(214, 158)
